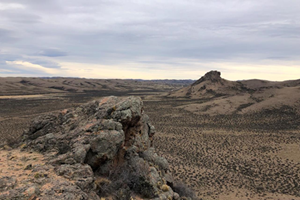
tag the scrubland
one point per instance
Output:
(231, 156)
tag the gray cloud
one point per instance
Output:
(4, 33)
(6, 36)
(150, 33)
(51, 53)
(20, 17)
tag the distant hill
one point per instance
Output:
(22, 85)
(220, 96)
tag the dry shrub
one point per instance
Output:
(13, 141)
(184, 191)
(165, 188)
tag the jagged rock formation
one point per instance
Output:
(213, 76)
(101, 149)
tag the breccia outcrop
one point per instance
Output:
(101, 149)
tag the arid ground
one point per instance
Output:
(251, 155)
(230, 157)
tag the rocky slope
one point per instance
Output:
(214, 95)
(102, 149)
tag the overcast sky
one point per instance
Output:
(150, 39)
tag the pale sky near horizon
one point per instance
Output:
(143, 39)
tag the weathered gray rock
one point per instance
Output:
(81, 174)
(162, 163)
(63, 190)
(110, 140)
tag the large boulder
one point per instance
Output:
(104, 147)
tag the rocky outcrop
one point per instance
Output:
(209, 86)
(213, 76)
(100, 149)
